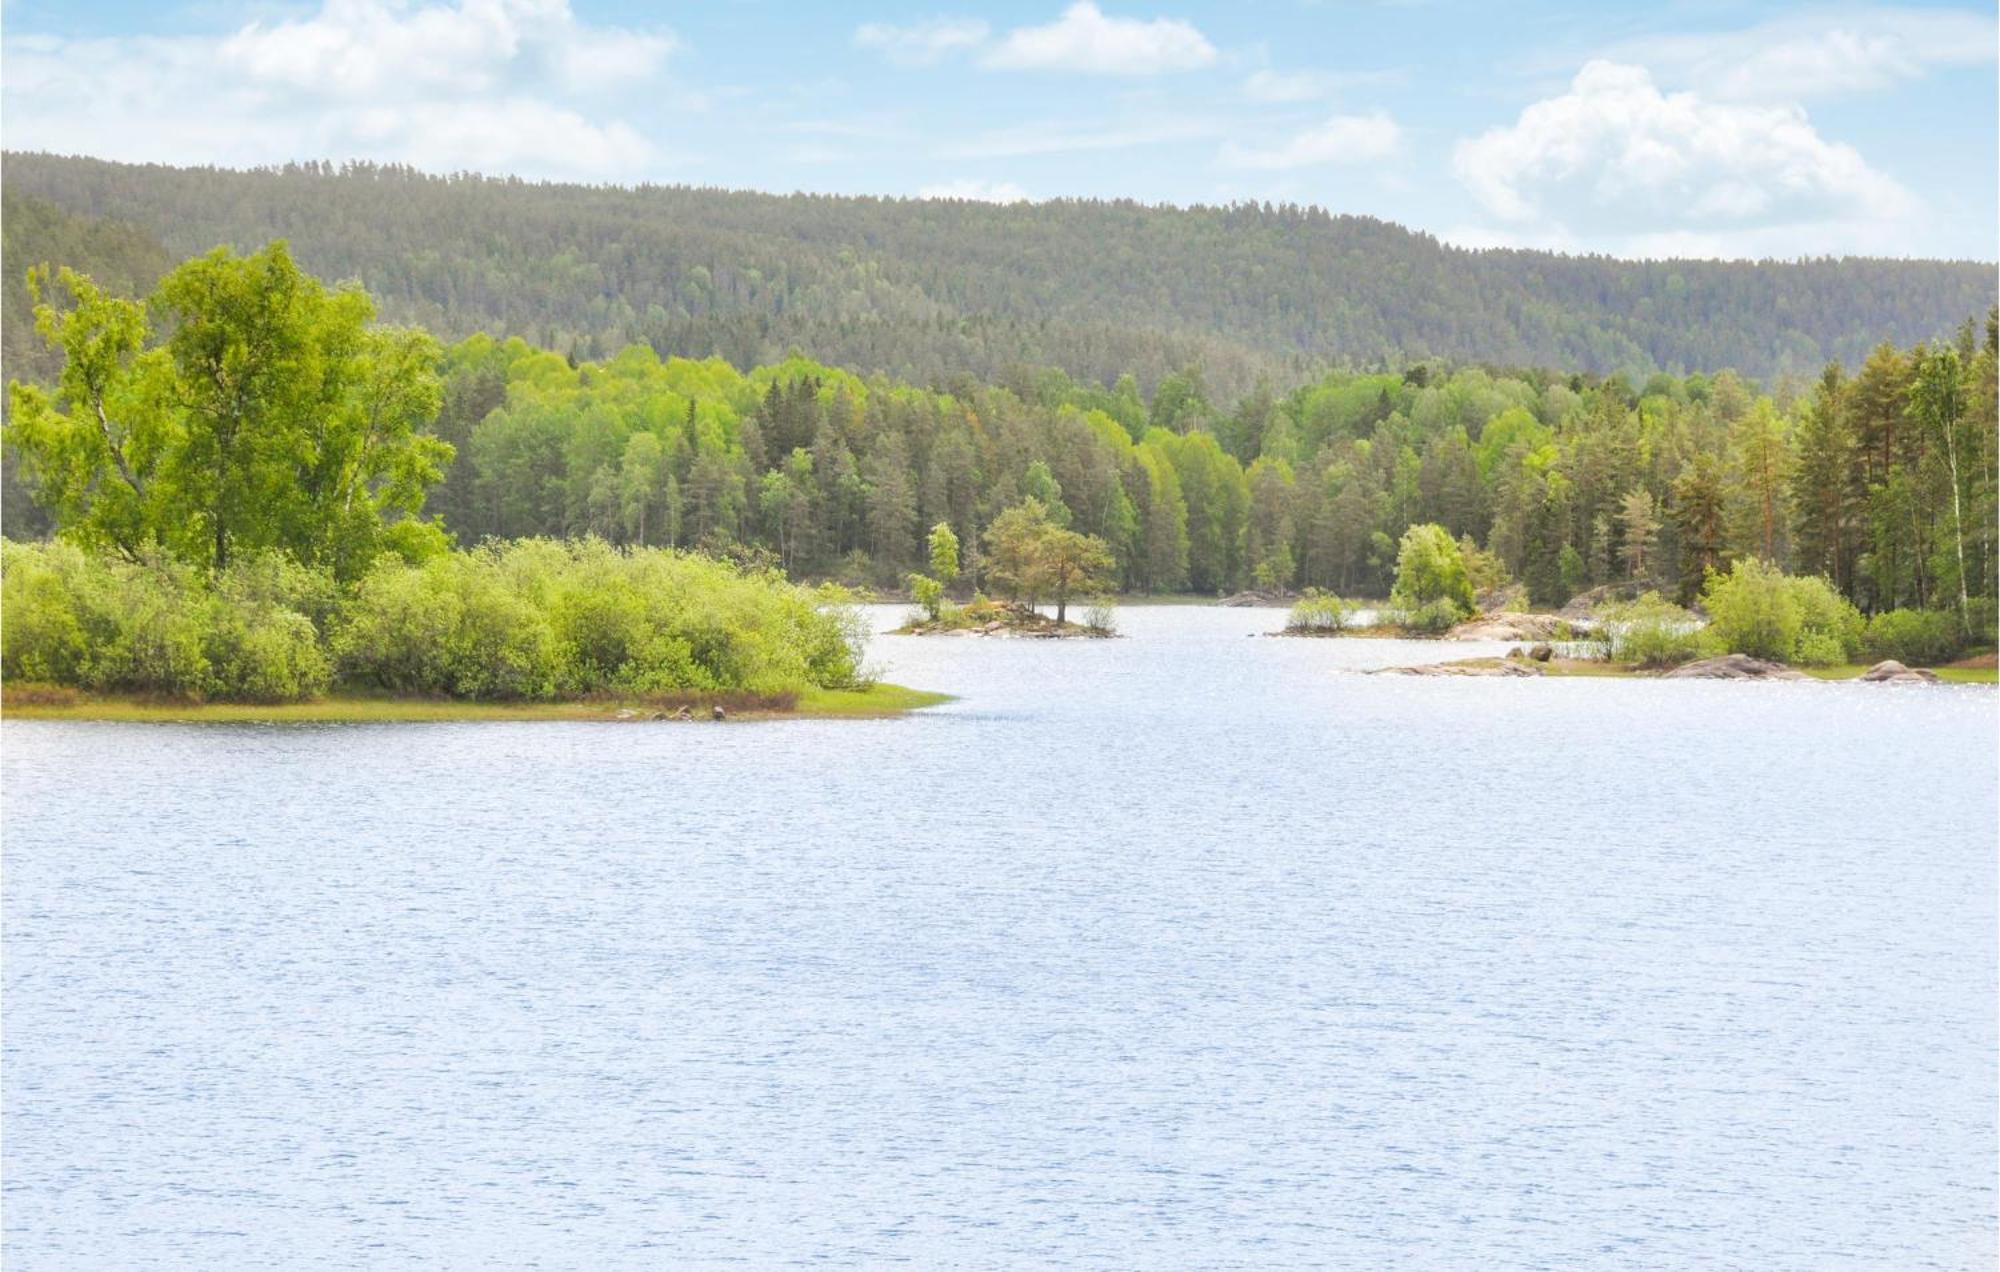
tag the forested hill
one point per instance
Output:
(924, 290)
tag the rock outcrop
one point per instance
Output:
(1256, 597)
(1489, 668)
(1586, 604)
(1891, 672)
(1511, 626)
(1735, 667)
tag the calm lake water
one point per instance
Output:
(1184, 950)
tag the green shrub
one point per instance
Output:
(1982, 621)
(1830, 628)
(1434, 618)
(1100, 615)
(1651, 632)
(540, 619)
(1757, 609)
(398, 627)
(1319, 613)
(1919, 638)
(270, 655)
(144, 627)
(928, 594)
(42, 637)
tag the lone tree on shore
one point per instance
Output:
(1032, 556)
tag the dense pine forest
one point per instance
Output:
(925, 290)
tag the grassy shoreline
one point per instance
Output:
(879, 701)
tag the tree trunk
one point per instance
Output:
(1958, 528)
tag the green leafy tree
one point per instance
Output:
(1430, 568)
(942, 548)
(1031, 556)
(272, 415)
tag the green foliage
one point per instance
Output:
(928, 593)
(1319, 613)
(1652, 632)
(539, 619)
(1432, 618)
(942, 550)
(1032, 556)
(1757, 609)
(1485, 570)
(1101, 616)
(1430, 569)
(265, 412)
(157, 626)
(1884, 483)
(533, 620)
(1916, 638)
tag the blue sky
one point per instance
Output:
(1695, 128)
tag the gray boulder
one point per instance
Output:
(1735, 667)
(1493, 668)
(1891, 672)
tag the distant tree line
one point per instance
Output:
(921, 290)
(1882, 480)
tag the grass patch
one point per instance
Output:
(39, 702)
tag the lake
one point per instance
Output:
(1182, 950)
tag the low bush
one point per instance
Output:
(1319, 613)
(1759, 610)
(529, 620)
(1100, 615)
(1918, 638)
(1433, 618)
(1651, 632)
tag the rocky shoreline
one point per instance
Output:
(1740, 667)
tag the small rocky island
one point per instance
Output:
(1010, 619)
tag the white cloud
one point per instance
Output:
(977, 191)
(1342, 139)
(499, 85)
(1615, 164)
(1084, 39)
(377, 49)
(922, 43)
(1819, 55)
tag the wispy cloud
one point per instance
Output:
(1816, 55)
(1085, 40)
(1280, 87)
(922, 43)
(1341, 139)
